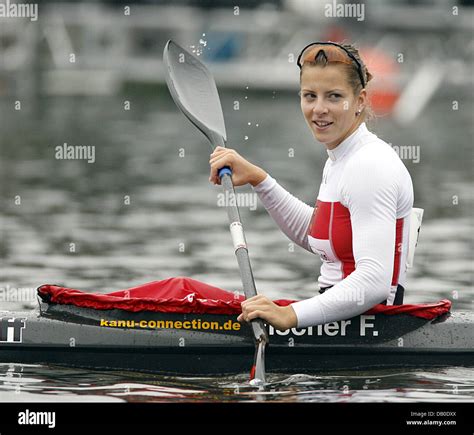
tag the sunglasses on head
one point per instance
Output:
(333, 53)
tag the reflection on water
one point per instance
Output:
(36, 383)
(145, 210)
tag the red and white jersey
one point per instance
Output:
(359, 227)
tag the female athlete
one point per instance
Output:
(360, 223)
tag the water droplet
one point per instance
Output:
(256, 125)
(249, 123)
(196, 50)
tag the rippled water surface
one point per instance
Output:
(145, 211)
(55, 384)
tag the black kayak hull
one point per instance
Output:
(211, 361)
(207, 344)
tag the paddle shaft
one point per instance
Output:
(241, 251)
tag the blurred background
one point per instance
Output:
(90, 74)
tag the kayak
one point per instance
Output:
(203, 343)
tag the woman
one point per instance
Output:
(360, 223)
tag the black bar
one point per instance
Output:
(344, 415)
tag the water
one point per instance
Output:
(145, 211)
(33, 383)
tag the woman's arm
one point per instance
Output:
(291, 215)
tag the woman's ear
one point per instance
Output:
(362, 100)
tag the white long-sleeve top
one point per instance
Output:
(359, 227)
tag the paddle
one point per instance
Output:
(194, 91)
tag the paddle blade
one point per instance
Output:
(194, 91)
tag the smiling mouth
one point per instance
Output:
(322, 124)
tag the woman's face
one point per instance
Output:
(329, 104)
